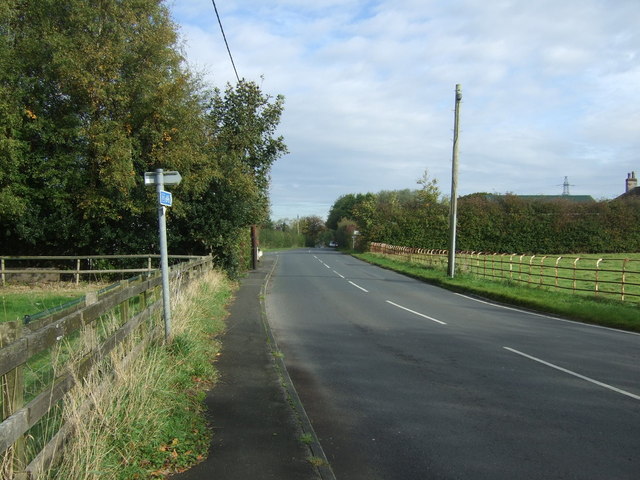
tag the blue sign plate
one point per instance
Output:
(165, 198)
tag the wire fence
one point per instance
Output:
(604, 276)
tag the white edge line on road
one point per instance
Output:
(416, 313)
(358, 286)
(596, 382)
(341, 276)
(546, 316)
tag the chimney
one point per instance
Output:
(632, 182)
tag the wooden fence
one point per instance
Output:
(40, 361)
(89, 266)
(601, 276)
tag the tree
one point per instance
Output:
(104, 97)
(240, 127)
(242, 124)
(93, 93)
(12, 148)
(312, 227)
(343, 207)
(345, 231)
(429, 193)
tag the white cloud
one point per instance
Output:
(549, 89)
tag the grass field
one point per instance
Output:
(614, 276)
(610, 276)
(16, 301)
(589, 308)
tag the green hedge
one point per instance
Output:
(501, 223)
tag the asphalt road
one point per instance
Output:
(403, 380)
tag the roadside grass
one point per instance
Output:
(306, 439)
(147, 421)
(587, 309)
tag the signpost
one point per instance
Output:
(168, 178)
(165, 199)
(160, 179)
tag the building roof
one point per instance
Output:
(634, 192)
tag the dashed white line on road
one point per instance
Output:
(416, 313)
(596, 382)
(341, 276)
(320, 260)
(358, 286)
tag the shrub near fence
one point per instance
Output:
(605, 276)
(42, 360)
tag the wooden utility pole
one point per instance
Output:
(254, 247)
(453, 214)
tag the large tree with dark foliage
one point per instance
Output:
(93, 93)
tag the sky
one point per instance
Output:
(550, 89)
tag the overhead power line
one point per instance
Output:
(225, 40)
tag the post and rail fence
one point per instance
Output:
(87, 266)
(587, 274)
(43, 357)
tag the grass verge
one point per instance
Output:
(148, 421)
(598, 311)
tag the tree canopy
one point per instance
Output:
(93, 93)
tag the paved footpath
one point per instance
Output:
(257, 423)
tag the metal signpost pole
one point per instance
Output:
(164, 257)
(160, 178)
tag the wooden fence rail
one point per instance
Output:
(42, 360)
(600, 276)
(76, 262)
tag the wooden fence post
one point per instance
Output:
(12, 385)
(484, 265)
(124, 306)
(511, 266)
(556, 270)
(530, 268)
(542, 270)
(2, 269)
(624, 272)
(597, 288)
(520, 267)
(493, 265)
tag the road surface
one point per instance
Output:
(403, 380)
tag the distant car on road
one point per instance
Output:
(333, 243)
